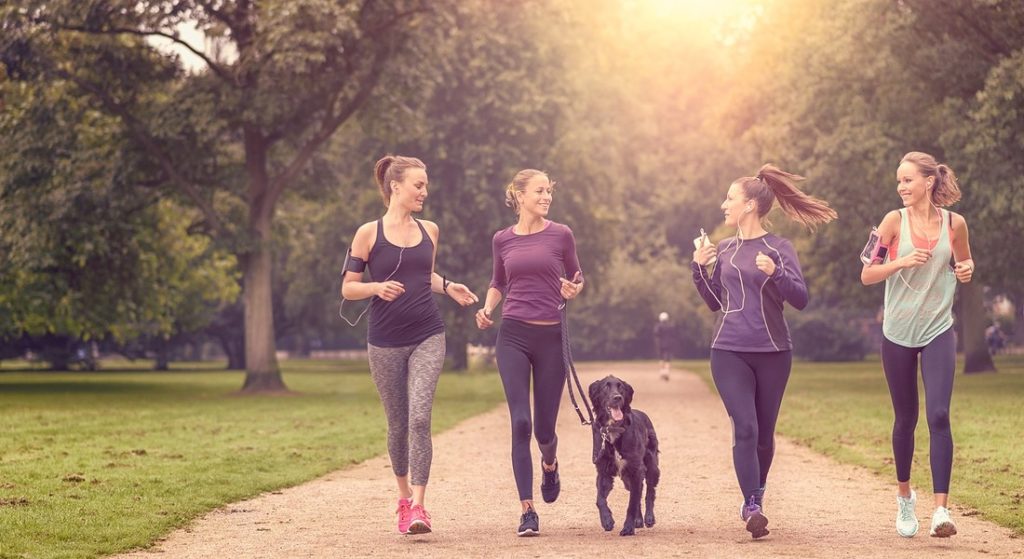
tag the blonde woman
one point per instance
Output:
(532, 261)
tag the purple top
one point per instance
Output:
(527, 269)
(752, 318)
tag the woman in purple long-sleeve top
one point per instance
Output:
(533, 260)
(755, 272)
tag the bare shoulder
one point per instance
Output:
(431, 227)
(890, 226)
(364, 238)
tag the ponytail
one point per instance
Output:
(392, 168)
(772, 183)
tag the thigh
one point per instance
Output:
(938, 365)
(900, 366)
(772, 375)
(425, 363)
(549, 373)
(734, 379)
(514, 368)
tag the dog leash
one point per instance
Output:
(570, 369)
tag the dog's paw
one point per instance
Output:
(628, 529)
(649, 518)
(639, 522)
(607, 522)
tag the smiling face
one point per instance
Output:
(411, 192)
(536, 198)
(911, 185)
(736, 205)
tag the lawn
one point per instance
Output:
(96, 463)
(843, 410)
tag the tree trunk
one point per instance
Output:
(973, 321)
(261, 371)
(457, 340)
(162, 355)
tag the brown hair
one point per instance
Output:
(519, 183)
(392, 168)
(772, 183)
(946, 190)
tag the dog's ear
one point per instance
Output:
(593, 390)
(628, 393)
(598, 441)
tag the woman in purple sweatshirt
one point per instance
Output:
(756, 271)
(532, 260)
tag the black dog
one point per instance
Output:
(625, 445)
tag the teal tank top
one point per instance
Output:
(919, 301)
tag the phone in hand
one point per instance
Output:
(703, 241)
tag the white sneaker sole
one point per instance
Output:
(756, 525)
(911, 534)
(528, 533)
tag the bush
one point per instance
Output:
(828, 336)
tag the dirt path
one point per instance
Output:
(817, 507)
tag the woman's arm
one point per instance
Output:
(964, 268)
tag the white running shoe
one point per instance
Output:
(906, 519)
(942, 525)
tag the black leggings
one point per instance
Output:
(938, 362)
(521, 346)
(751, 386)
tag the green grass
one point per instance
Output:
(843, 410)
(96, 463)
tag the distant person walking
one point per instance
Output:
(664, 339)
(405, 338)
(756, 272)
(920, 239)
(532, 261)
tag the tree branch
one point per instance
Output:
(216, 68)
(151, 147)
(328, 126)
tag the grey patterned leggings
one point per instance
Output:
(406, 378)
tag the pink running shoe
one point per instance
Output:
(420, 523)
(404, 515)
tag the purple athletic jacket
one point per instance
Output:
(752, 320)
(527, 269)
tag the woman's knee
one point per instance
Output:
(744, 431)
(938, 420)
(521, 428)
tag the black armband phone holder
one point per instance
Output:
(353, 263)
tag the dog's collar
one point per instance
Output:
(608, 430)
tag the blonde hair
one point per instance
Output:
(946, 190)
(518, 184)
(392, 168)
(772, 183)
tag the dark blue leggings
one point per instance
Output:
(938, 362)
(751, 386)
(521, 347)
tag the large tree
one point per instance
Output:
(278, 79)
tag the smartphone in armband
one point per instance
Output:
(874, 251)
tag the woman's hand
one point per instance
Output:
(963, 271)
(915, 259)
(570, 289)
(389, 290)
(704, 254)
(461, 294)
(483, 319)
(764, 263)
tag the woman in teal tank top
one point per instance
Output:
(920, 283)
